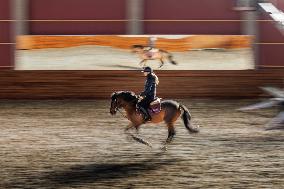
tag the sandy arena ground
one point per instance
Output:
(77, 144)
(108, 58)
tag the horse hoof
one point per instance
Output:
(164, 148)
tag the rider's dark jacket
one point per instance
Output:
(150, 86)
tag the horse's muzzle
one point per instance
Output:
(112, 112)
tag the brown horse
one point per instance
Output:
(170, 112)
(148, 53)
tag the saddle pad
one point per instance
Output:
(156, 108)
(157, 101)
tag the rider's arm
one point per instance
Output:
(148, 89)
(149, 86)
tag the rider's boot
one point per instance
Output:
(147, 117)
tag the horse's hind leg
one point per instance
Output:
(171, 133)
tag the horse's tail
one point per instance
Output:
(186, 117)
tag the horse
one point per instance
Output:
(169, 113)
(149, 53)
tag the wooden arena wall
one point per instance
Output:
(154, 10)
(271, 45)
(100, 84)
(77, 10)
(6, 39)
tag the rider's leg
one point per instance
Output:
(146, 114)
(143, 106)
(146, 106)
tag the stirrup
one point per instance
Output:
(147, 119)
(145, 114)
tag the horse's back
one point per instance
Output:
(169, 103)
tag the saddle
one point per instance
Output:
(150, 52)
(155, 106)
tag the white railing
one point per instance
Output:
(274, 13)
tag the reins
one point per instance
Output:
(121, 112)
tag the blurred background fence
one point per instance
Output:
(119, 17)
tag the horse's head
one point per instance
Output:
(121, 99)
(137, 48)
(114, 104)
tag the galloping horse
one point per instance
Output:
(148, 53)
(170, 112)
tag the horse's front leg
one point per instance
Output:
(136, 137)
(162, 63)
(143, 63)
(129, 126)
(139, 139)
(127, 132)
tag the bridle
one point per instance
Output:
(118, 109)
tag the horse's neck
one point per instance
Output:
(130, 108)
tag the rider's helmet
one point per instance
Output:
(147, 69)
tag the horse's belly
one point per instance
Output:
(156, 118)
(154, 57)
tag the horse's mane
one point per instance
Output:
(128, 96)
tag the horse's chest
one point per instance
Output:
(135, 117)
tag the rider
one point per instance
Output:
(149, 93)
(151, 46)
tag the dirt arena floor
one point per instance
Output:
(107, 58)
(77, 144)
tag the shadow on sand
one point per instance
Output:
(92, 173)
(80, 175)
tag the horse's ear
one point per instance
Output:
(112, 95)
